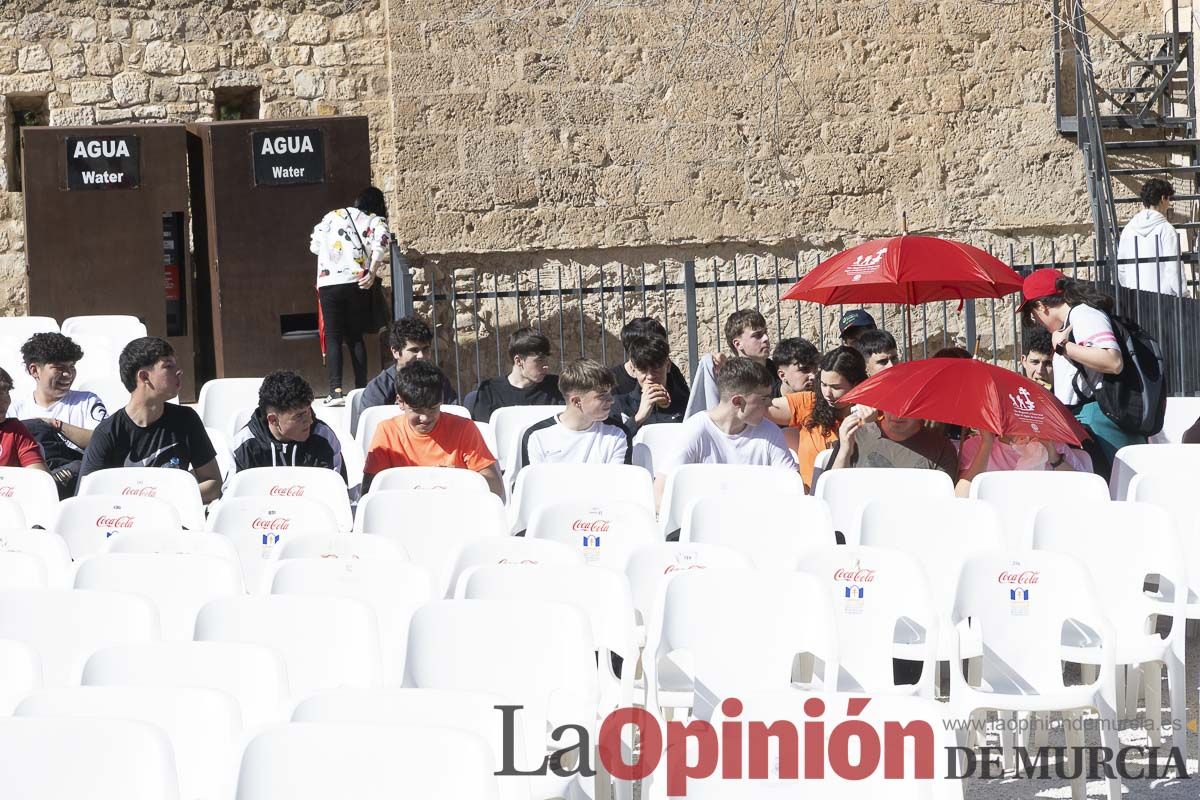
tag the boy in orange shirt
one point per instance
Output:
(425, 437)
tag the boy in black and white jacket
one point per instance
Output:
(283, 431)
(585, 433)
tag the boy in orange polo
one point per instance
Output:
(424, 437)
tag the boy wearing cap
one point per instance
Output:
(855, 323)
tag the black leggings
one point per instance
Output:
(346, 309)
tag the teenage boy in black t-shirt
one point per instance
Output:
(657, 396)
(149, 431)
(528, 383)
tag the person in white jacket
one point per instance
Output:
(1150, 239)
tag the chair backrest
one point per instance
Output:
(51, 758)
(175, 486)
(1182, 413)
(605, 532)
(178, 584)
(108, 388)
(432, 527)
(1019, 604)
(66, 626)
(50, 549)
(1173, 493)
(456, 410)
(32, 489)
(258, 525)
(88, 521)
(848, 491)
(691, 482)
(602, 595)
(369, 420)
(221, 443)
(311, 761)
(880, 598)
(393, 590)
(655, 443)
(540, 484)
(510, 423)
(402, 479)
(1099, 537)
(442, 708)
(509, 551)
(23, 327)
(548, 667)
(223, 400)
(940, 534)
(22, 571)
(204, 725)
(184, 542)
(771, 531)
(820, 464)
(349, 417)
(1136, 459)
(12, 515)
(333, 546)
(489, 435)
(312, 483)
(1018, 495)
(252, 674)
(100, 357)
(649, 568)
(716, 616)
(119, 329)
(326, 642)
(20, 674)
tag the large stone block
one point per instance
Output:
(90, 92)
(130, 88)
(164, 58)
(33, 58)
(427, 153)
(65, 117)
(102, 58)
(330, 55)
(269, 26)
(308, 83)
(308, 29)
(567, 187)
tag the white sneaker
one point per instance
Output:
(336, 399)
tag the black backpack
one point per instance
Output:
(1136, 398)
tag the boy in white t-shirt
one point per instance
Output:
(736, 430)
(59, 417)
(585, 433)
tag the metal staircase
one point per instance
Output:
(1129, 134)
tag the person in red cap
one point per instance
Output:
(1085, 350)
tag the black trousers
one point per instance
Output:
(347, 310)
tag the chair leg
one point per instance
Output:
(1119, 690)
(1152, 685)
(1089, 672)
(1008, 740)
(1133, 685)
(1109, 738)
(1177, 686)
(1041, 730)
(975, 671)
(1073, 733)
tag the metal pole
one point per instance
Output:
(693, 324)
(402, 285)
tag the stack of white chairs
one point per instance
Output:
(117, 330)
(1175, 493)
(50, 550)
(1017, 496)
(772, 534)
(606, 532)
(1182, 413)
(405, 479)
(540, 484)
(655, 443)
(108, 388)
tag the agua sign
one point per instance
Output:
(285, 156)
(103, 162)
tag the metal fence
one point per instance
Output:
(582, 310)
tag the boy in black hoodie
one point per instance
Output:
(283, 431)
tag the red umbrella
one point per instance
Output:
(906, 269)
(967, 392)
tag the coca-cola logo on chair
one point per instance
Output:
(123, 521)
(140, 491)
(265, 524)
(287, 491)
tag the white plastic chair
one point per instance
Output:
(221, 443)
(369, 420)
(311, 483)
(548, 667)
(87, 522)
(119, 329)
(21, 571)
(402, 479)
(1176, 494)
(731, 630)
(691, 482)
(393, 589)
(178, 584)
(510, 423)
(100, 357)
(357, 547)
(649, 569)
(1137, 459)
(541, 484)
(773, 534)
(20, 674)
(204, 726)
(820, 464)
(34, 490)
(109, 389)
(655, 443)
(1182, 413)
(66, 626)
(603, 595)
(223, 400)
(23, 327)
(509, 551)
(1017, 496)
(12, 516)
(257, 525)
(310, 761)
(462, 710)
(1022, 624)
(432, 527)
(849, 490)
(1099, 537)
(100, 759)
(181, 543)
(326, 642)
(175, 486)
(489, 436)
(456, 410)
(605, 532)
(252, 674)
(880, 598)
(50, 549)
